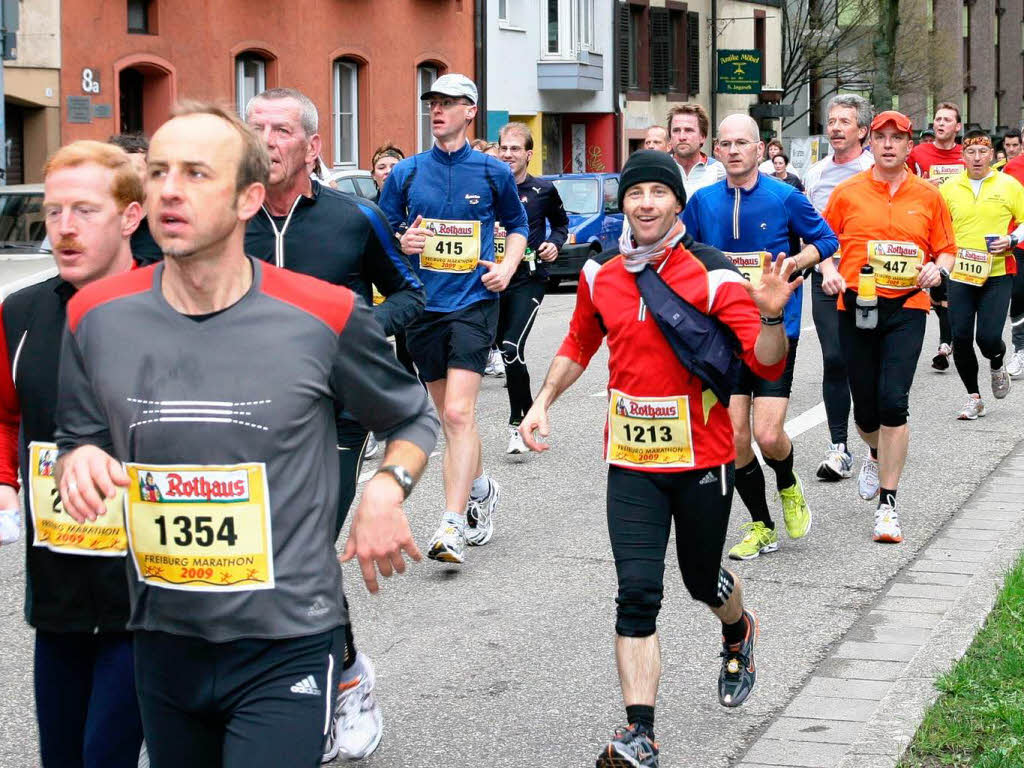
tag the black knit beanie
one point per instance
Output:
(651, 165)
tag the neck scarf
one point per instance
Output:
(637, 257)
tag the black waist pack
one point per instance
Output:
(704, 345)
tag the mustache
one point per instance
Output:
(68, 244)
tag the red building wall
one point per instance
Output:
(192, 55)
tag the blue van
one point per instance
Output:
(591, 201)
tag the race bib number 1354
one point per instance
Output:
(201, 528)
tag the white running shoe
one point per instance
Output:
(357, 723)
(972, 409)
(837, 464)
(480, 516)
(887, 525)
(516, 446)
(1000, 383)
(449, 542)
(867, 480)
(495, 365)
(1015, 365)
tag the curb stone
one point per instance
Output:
(864, 703)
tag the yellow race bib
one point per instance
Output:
(895, 263)
(751, 265)
(649, 431)
(454, 246)
(944, 172)
(201, 528)
(55, 529)
(971, 267)
(499, 243)
(378, 297)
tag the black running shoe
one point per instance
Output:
(941, 361)
(630, 747)
(736, 680)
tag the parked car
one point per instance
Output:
(22, 226)
(591, 201)
(354, 181)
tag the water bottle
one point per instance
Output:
(867, 300)
(531, 259)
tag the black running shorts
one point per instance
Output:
(242, 704)
(461, 339)
(752, 385)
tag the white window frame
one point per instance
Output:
(422, 110)
(261, 79)
(346, 68)
(576, 29)
(503, 11)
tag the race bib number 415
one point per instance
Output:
(649, 431)
(55, 529)
(201, 528)
(454, 246)
(895, 263)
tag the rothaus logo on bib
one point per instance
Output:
(191, 487)
(453, 229)
(641, 409)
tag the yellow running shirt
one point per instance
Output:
(999, 201)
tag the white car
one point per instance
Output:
(354, 181)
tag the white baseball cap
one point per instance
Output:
(454, 85)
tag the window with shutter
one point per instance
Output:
(624, 48)
(692, 53)
(661, 63)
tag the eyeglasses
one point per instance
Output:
(740, 144)
(446, 103)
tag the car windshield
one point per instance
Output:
(581, 196)
(21, 221)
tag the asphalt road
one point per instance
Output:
(508, 660)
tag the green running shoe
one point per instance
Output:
(795, 510)
(759, 538)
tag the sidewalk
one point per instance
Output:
(862, 706)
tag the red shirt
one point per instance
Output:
(641, 363)
(949, 161)
(1015, 168)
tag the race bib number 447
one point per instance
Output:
(454, 246)
(201, 528)
(649, 431)
(895, 263)
(55, 529)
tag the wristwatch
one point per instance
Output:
(944, 272)
(1013, 241)
(401, 475)
(772, 320)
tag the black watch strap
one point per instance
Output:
(401, 476)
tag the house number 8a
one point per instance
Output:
(89, 82)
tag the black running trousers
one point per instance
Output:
(241, 704)
(835, 386)
(978, 313)
(519, 305)
(641, 509)
(881, 362)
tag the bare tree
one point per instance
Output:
(822, 42)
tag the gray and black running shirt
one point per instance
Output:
(231, 421)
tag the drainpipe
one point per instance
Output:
(619, 122)
(713, 68)
(480, 51)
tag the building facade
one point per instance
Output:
(32, 92)
(125, 62)
(667, 56)
(550, 65)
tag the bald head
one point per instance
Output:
(740, 125)
(740, 149)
